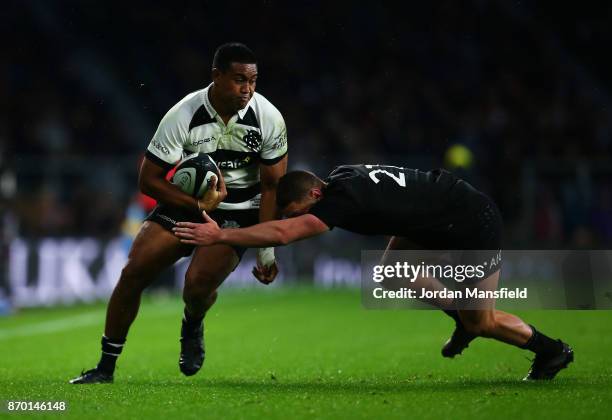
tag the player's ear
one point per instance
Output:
(216, 74)
(315, 193)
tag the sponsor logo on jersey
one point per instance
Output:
(205, 140)
(160, 147)
(236, 163)
(280, 141)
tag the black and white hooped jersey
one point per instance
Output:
(256, 134)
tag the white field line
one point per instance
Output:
(78, 321)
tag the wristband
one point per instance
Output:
(266, 256)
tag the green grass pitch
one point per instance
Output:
(300, 353)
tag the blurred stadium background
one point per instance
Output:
(515, 96)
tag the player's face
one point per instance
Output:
(237, 85)
(298, 208)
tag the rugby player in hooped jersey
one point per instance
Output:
(246, 136)
(435, 210)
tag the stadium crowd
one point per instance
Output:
(86, 84)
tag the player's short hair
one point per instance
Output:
(232, 52)
(294, 186)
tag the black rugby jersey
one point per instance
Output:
(391, 200)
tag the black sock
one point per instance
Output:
(111, 349)
(190, 320)
(542, 344)
(455, 315)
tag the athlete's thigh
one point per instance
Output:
(153, 249)
(212, 264)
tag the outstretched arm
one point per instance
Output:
(272, 233)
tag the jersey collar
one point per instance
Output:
(213, 113)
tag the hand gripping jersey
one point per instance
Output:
(257, 134)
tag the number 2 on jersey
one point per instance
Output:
(400, 179)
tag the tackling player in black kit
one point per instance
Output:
(435, 210)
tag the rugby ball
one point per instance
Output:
(193, 174)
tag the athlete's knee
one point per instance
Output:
(133, 278)
(211, 299)
(200, 284)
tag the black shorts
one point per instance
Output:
(478, 238)
(167, 217)
(474, 234)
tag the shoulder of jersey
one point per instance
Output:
(186, 107)
(264, 108)
(194, 100)
(344, 177)
(344, 171)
